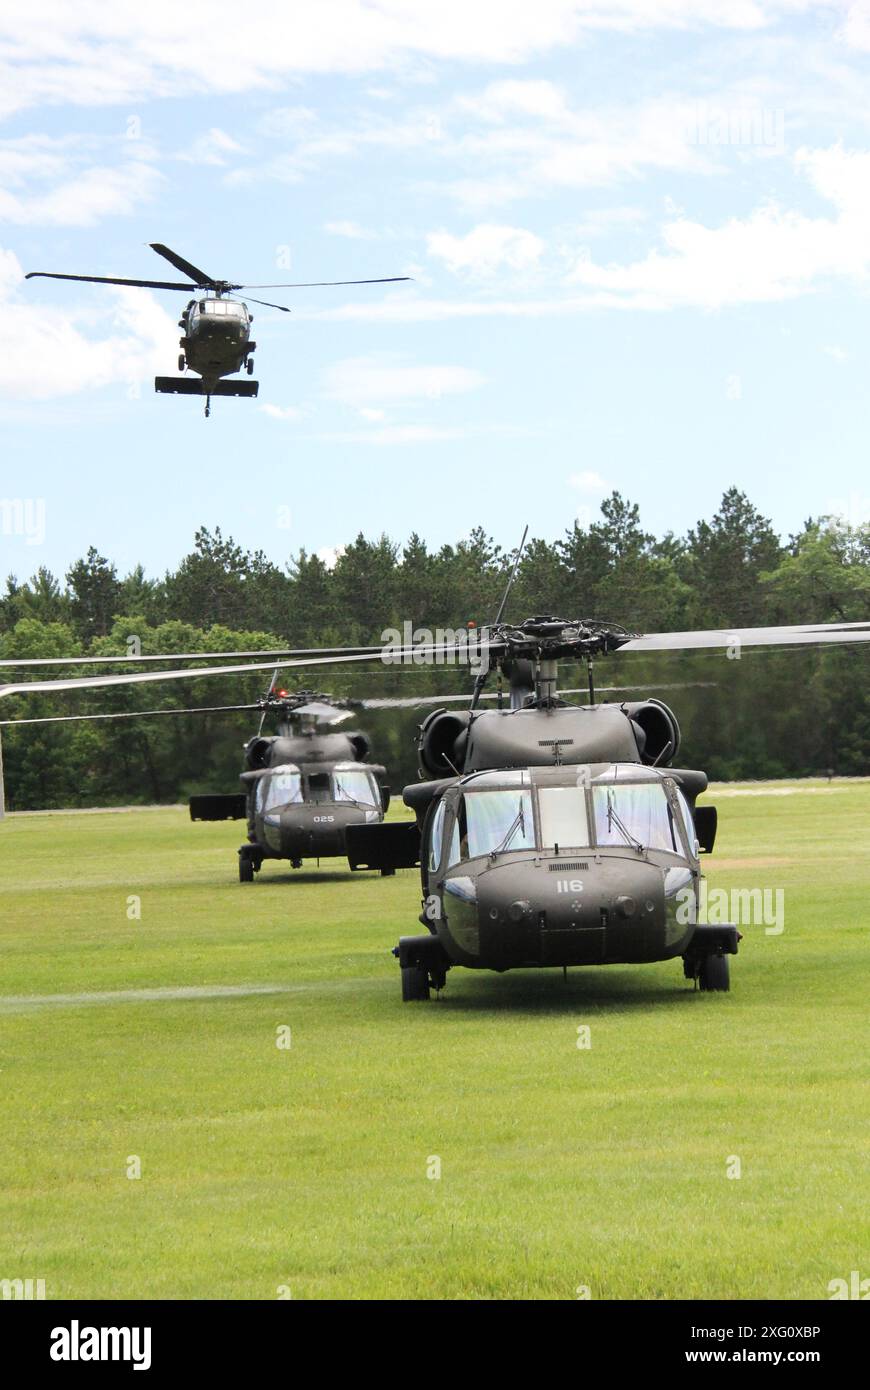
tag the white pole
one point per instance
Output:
(2, 788)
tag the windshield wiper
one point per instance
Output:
(613, 819)
(519, 823)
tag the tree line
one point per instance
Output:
(773, 714)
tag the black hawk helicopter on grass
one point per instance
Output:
(552, 834)
(216, 328)
(547, 833)
(303, 786)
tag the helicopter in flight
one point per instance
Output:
(216, 327)
(303, 786)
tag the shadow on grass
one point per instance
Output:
(306, 876)
(546, 991)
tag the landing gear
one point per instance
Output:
(706, 960)
(714, 973)
(424, 965)
(182, 362)
(250, 862)
(249, 366)
(388, 873)
(295, 863)
(415, 983)
(207, 406)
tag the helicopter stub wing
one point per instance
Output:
(195, 386)
(217, 806)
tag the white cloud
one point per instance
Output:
(352, 230)
(49, 352)
(281, 412)
(211, 148)
(773, 254)
(54, 181)
(362, 380)
(486, 249)
(838, 353)
(92, 54)
(589, 481)
(415, 434)
(330, 555)
(374, 415)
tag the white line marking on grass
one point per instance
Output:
(20, 1003)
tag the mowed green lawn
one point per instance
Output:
(307, 1168)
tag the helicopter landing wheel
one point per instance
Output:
(387, 873)
(182, 362)
(246, 869)
(249, 366)
(714, 973)
(415, 983)
(295, 863)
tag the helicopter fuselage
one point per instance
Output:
(589, 864)
(216, 340)
(302, 810)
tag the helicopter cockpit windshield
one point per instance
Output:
(637, 813)
(282, 787)
(355, 784)
(501, 812)
(222, 308)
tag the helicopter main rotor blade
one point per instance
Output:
(419, 701)
(338, 652)
(267, 303)
(801, 634)
(388, 656)
(110, 280)
(321, 284)
(124, 714)
(186, 268)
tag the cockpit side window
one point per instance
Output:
(436, 833)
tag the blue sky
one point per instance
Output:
(639, 234)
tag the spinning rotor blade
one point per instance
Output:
(124, 714)
(394, 655)
(198, 276)
(338, 652)
(418, 701)
(327, 714)
(802, 634)
(110, 280)
(267, 304)
(321, 284)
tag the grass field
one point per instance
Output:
(305, 1168)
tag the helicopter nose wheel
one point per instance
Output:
(207, 406)
(249, 366)
(182, 362)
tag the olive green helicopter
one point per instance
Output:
(216, 328)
